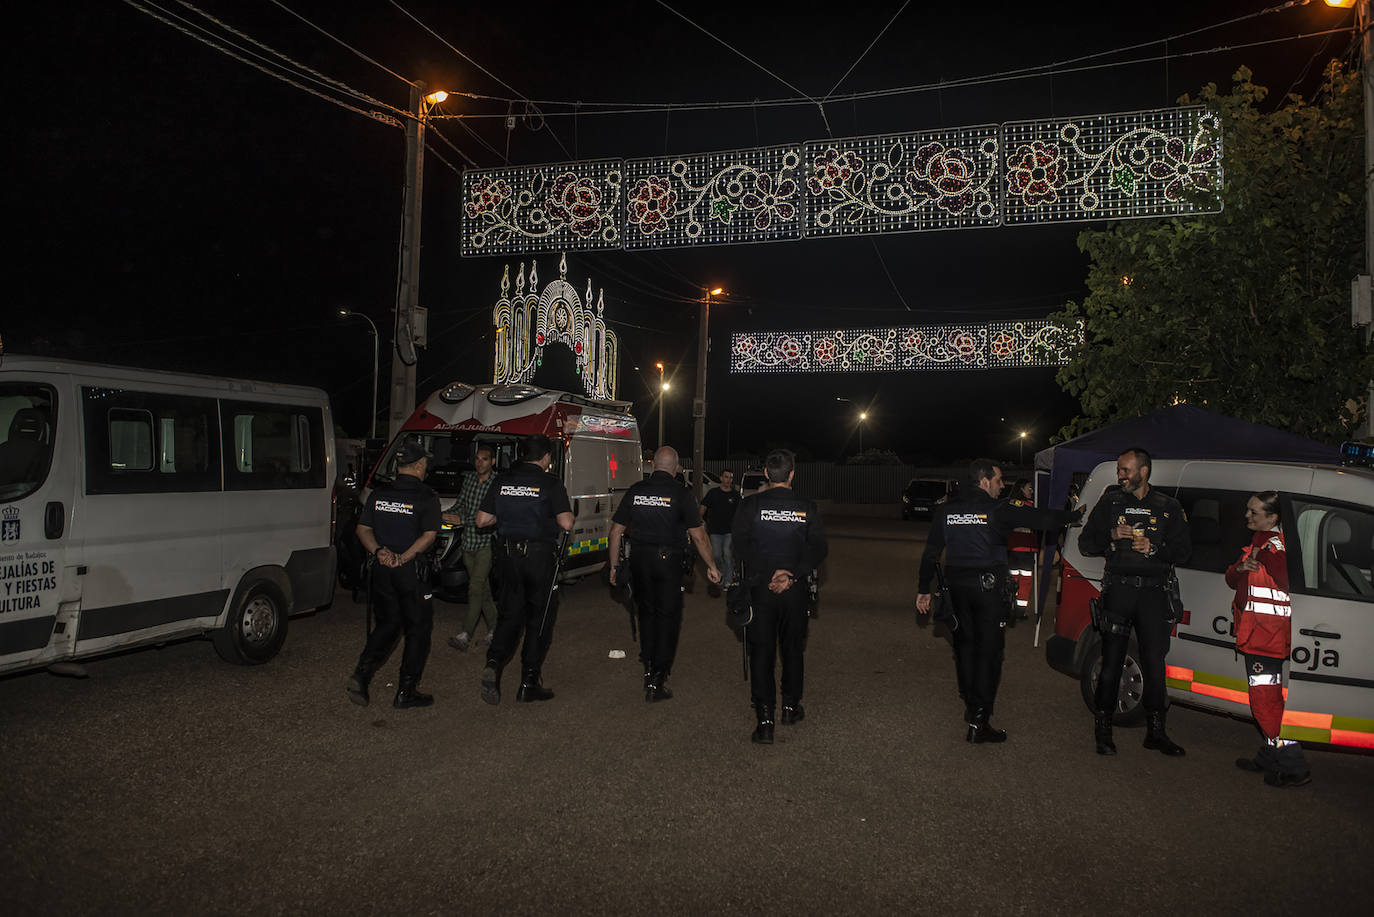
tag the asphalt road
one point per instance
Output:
(169, 782)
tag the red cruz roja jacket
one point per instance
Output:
(1262, 610)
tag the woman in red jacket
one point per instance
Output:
(1262, 615)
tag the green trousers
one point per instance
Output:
(480, 601)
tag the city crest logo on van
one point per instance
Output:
(9, 524)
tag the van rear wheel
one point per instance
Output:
(256, 626)
(1129, 710)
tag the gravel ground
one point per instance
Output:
(169, 782)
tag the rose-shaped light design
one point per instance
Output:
(650, 204)
(577, 202)
(485, 196)
(1036, 173)
(833, 169)
(826, 351)
(942, 175)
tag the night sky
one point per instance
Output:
(180, 210)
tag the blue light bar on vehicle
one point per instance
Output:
(1358, 454)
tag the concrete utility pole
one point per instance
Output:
(403, 352)
(699, 403)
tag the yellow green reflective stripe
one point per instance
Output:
(588, 546)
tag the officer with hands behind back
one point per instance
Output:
(397, 525)
(972, 529)
(1143, 533)
(660, 512)
(781, 540)
(529, 507)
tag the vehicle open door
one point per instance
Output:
(1331, 582)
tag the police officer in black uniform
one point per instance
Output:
(528, 506)
(660, 513)
(397, 525)
(781, 540)
(1143, 533)
(972, 529)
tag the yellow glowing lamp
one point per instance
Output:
(1341, 4)
(434, 98)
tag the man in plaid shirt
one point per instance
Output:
(476, 548)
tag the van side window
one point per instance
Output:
(1335, 542)
(28, 412)
(272, 446)
(148, 442)
(1216, 522)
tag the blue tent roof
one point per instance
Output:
(1180, 431)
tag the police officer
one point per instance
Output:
(1143, 533)
(972, 529)
(780, 538)
(397, 525)
(660, 513)
(528, 506)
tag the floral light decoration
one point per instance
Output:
(531, 319)
(997, 345)
(714, 198)
(1118, 166)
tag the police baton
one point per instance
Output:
(561, 552)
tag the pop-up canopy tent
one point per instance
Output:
(1177, 432)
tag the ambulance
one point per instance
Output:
(1327, 514)
(596, 455)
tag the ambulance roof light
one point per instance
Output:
(455, 392)
(513, 394)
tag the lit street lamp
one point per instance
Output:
(662, 391)
(1021, 448)
(345, 312)
(699, 404)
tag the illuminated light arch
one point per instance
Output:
(530, 320)
(994, 345)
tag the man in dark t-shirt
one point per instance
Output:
(718, 506)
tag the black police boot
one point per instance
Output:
(531, 690)
(792, 713)
(357, 685)
(1102, 733)
(1157, 739)
(408, 695)
(491, 683)
(763, 734)
(655, 689)
(980, 731)
(648, 677)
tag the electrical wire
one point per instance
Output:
(193, 31)
(1038, 71)
(474, 63)
(899, 12)
(340, 41)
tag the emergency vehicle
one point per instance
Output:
(596, 455)
(138, 507)
(1327, 514)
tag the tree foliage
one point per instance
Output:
(1245, 312)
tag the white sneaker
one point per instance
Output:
(460, 642)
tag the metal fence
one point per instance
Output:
(849, 483)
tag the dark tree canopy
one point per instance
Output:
(1245, 312)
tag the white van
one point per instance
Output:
(138, 507)
(1327, 513)
(596, 456)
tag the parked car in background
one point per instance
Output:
(751, 482)
(922, 494)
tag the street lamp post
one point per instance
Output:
(699, 403)
(863, 415)
(1021, 448)
(662, 391)
(345, 312)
